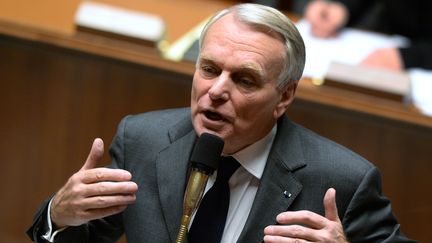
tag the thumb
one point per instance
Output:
(95, 155)
(330, 207)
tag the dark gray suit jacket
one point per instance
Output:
(155, 147)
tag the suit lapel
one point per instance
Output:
(172, 167)
(278, 185)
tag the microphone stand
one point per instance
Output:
(195, 188)
(205, 160)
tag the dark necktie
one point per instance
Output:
(209, 221)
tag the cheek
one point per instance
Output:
(198, 87)
(194, 91)
(251, 110)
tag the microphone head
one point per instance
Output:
(207, 152)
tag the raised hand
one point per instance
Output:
(306, 226)
(92, 193)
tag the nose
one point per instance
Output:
(220, 89)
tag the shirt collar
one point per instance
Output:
(254, 157)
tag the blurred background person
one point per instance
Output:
(409, 19)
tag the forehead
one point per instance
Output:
(230, 38)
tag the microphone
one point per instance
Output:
(204, 160)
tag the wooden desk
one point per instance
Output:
(61, 89)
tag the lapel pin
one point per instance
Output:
(287, 194)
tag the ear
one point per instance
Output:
(287, 97)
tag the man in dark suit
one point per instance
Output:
(251, 58)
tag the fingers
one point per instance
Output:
(303, 217)
(75, 203)
(312, 219)
(330, 207)
(288, 233)
(95, 155)
(109, 188)
(92, 193)
(334, 227)
(297, 226)
(281, 239)
(106, 202)
(307, 226)
(304, 226)
(103, 174)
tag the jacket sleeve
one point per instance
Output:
(40, 224)
(369, 216)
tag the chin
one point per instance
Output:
(205, 130)
(202, 130)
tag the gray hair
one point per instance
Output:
(274, 20)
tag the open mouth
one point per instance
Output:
(213, 116)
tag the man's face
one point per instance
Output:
(234, 91)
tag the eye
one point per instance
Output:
(245, 81)
(208, 71)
